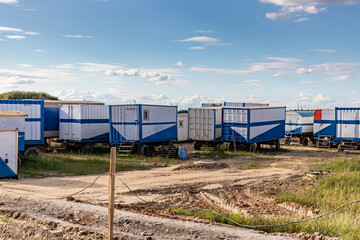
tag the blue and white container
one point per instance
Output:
(299, 122)
(253, 124)
(14, 120)
(84, 123)
(324, 123)
(8, 153)
(347, 123)
(142, 123)
(34, 121)
(205, 124)
(243, 104)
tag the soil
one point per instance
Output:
(38, 208)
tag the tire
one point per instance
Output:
(253, 147)
(305, 142)
(32, 151)
(197, 146)
(145, 150)
(277, 144)
(19, 162)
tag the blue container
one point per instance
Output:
(182, 153)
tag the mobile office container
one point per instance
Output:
(300, 124)
(142, 125)
(238, 104)
(183, 126)
(324, 123)
(8, 153)
(250, 125)
(205, 126)
(51, 115)
(347, 124)
(84, 123)
(34, 121)
(14, 120)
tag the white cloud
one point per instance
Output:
(10, 29)
(179, 64)
(8, 1)
(308, 83)
(340, 78)
(128, 72)
(285, 59)
(313, 101)
(251, 83)
(304, 71)
(278, 16)
(205, 31)
(280, 75)
(18, 80)
(38, 50)
(303, 19)
(15, 37)
(26, 65)
(77, 36)
(197, 48)
(325, 50)
(201, 39)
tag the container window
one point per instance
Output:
(181, 123)
(146, 115)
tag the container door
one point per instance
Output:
(130, 123)
(346, 125)
(8, 153)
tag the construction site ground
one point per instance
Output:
(34, 208)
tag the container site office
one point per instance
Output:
(324, 127)
(8, 153)
(183, 127)
(242, 125)
(14, 120)
(34, 120)
(234, 104)
(84, 124)
(347, 124)
(299, 124)
(141, 127)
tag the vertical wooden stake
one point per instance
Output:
(234, 140)
(111, 192)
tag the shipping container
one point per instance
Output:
(84, 123)
(300, 126)
(51, 115)
(243, 104)
(324, 123)
(8, 153)
(183, 127)
(142, 124)
(34, 121)
(347, 123)
(205, 126)
(14, 120)
(253, 125)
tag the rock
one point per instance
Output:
(57, 233)
(16, 215)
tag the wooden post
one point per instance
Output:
(111, 192)
(234, 140)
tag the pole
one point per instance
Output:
(112, 172)
(234, 140)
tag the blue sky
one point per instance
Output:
(283, 52)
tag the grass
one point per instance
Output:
(328, 193)
(4, 218)
(247, 165)
(73, 163)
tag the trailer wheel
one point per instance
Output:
(32, 151)
(253, 147)
(145, 150)
(277, 144)
(305, 142)
(197, 146)
(19, 161)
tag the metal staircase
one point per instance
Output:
(323, 142)
(126, 147)
(347, 144)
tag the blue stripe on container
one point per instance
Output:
(32, 119)
(85, 121)
(299, 124)
(348, 122)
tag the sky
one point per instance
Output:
(293, 53)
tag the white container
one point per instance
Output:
(205, 124)
(34, 121)
(84, 123)
(324, 123)
(183, 126)
(299, 122)
(347, 123)
(239, 104)
(14, 120)
(8, 153)
(142, 123)
(253, 124)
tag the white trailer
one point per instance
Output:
(299, 124)
(84, 124)
(14, 120)
(183, 127)
(8, 154)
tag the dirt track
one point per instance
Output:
(217, 186)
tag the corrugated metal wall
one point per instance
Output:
(347, 123)
(205, 124)
(297, 123)
(15, 123)
(8, 151)
(34, 122)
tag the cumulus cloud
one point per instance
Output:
(8, 1)
(280, 75)
(204, 40)
(128, 72)
(15, 37)
(197, 48)
(304, 71)
(76, 36)
(313, 101)
(285, 59)
(325, 50)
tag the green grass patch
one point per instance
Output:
(4, 218)
(71, 164)
(339, 165)
(247, 165)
